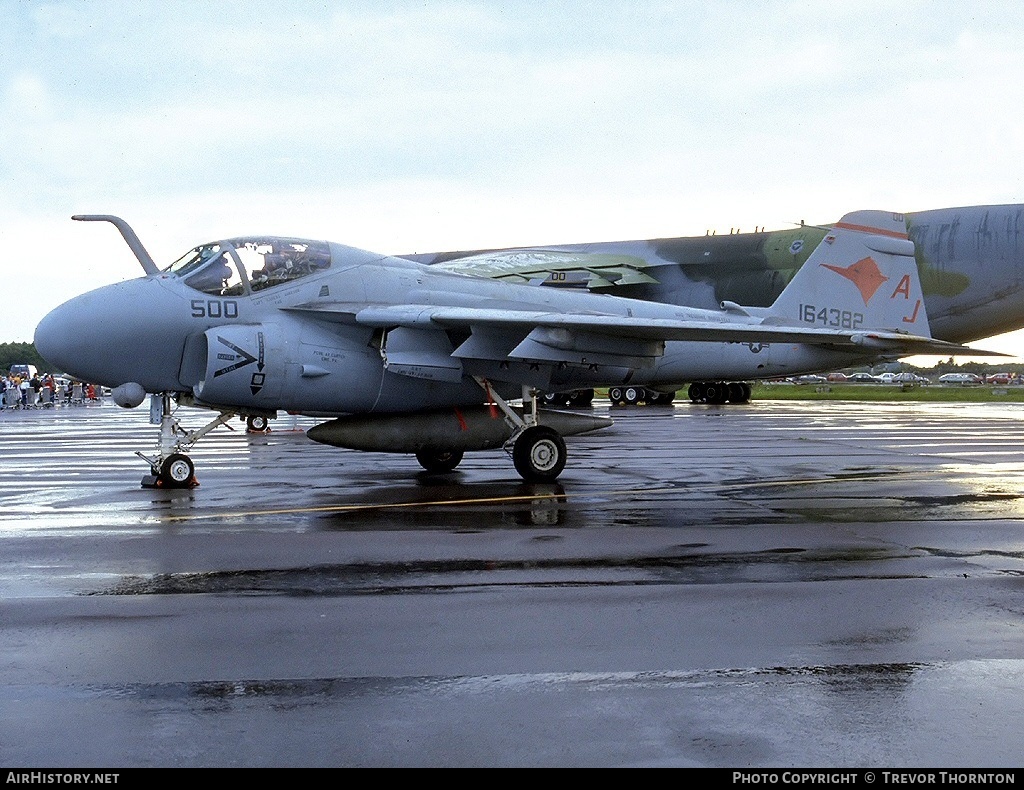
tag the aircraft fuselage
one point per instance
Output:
(970, 260)
(269, 350)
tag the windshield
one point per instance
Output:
(237, 266)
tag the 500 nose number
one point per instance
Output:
(214, 308)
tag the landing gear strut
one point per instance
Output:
(538, 452)
(171, 467)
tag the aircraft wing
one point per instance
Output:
(564, 268)
(421, 334)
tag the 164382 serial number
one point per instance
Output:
(831, 316)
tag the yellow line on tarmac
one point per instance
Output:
(563, 497)
(369, 506)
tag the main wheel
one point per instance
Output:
(736, 393)
(539, 454)
(696, 392)
(177, 471)
(439, 461)
(633, 395)
(581, 398)
(256, 423)
(716, 392)
(615, 395)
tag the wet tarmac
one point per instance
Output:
(770, 585)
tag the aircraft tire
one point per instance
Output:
(632, 395)
(177, 471)
(737, 392)
(662, 398)
(581, 398)
(715, 392)
(615, 395)
(696, 392)
(439, 461)
(539, 454)
(256, 423)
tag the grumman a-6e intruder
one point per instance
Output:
(410, 358)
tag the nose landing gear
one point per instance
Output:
(171, 467)
(178, 471)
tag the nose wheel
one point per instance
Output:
(177, 471)
(171, 467)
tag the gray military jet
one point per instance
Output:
(406, 357)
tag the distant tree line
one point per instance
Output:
(21, 354)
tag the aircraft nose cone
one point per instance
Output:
(54, 338)
(119, 333)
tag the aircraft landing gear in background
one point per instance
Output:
(632, 395)
(571, 398)
(171, 467)
(257, 423)
(439, 461)
(719, 392)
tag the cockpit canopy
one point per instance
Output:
(234, 267)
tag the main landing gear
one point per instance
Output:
(538, 452)
(439, 461)
(632, 395)
(257, 423)
(171, 467)
(719, 392)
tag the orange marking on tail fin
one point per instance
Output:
(865, 274)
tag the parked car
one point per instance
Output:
(25, 371)
(960, 378)
(862, 378)
(836, 377)
(909, 378)
(811, 379)
(1000, 378)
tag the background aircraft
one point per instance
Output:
(970, 260)
(413, 358)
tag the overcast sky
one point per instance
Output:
(423, 126)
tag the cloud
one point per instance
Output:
(401, 125)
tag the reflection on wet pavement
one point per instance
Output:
(764, 585)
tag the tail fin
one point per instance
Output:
(861, 276)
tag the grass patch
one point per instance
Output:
(934, 393)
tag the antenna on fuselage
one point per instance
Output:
(148, 264)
